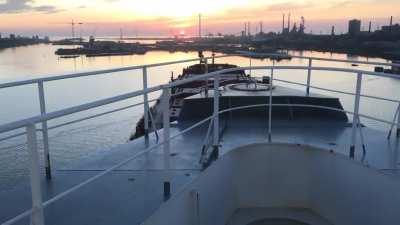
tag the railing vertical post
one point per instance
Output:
(45, 133)
(146, 105)
(216, 117)
(206, 71)
(270, 103)
(250, 65)
(309, 76)
(37, 216)
(355, 115)
(166, 146)
(398, 124)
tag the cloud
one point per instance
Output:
(19, 6)
(342, 4)
(289, 6)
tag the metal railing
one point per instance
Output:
(29, 124)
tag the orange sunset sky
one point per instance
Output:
(163, 17)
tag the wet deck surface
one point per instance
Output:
(270, 216)
(134, 191)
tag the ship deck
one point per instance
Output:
(269, 216)
(133, 192)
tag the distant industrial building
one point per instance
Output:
(391, 28)
(354, 27)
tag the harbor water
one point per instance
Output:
(73, 144)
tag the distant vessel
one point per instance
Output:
(69, 56)
(183, 91)
(103, 48)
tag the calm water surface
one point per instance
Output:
(74, 143)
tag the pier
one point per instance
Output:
(17, 41)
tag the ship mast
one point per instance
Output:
(199, 25)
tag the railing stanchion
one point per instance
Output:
(206, 81)
(195, 195)
(398, 124)
(45, 133)
(270, 104)
(146, 105)
(37, 216)
(215, 153)
(355, 115)
(396, 117)
(166, 136)
(309, 76)
(250, 72)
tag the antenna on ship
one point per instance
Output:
(73, 29)
(200, 25)
(121, 34)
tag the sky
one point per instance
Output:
(169, 17)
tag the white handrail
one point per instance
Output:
(105, 172)
(129, 68)
(79, 120)
(97, 72)
(254, 54)
(339, 92)
(48, 116)
(95, 104)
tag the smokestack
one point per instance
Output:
(391, 20)
(288, 26)
(369, 28)
(261, 27)
(245, 29)
(283, 24)
(248, 29)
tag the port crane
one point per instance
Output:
(73, 24)
(73, 27)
